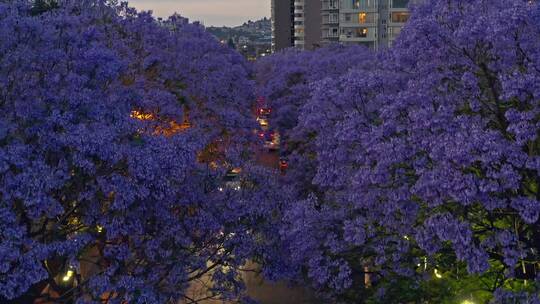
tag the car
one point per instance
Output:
(263, 122)
(276, 139)
(264, 111)
(232, 180)
(283, 164)
(267, 135)
(271, 139)
(271, 145)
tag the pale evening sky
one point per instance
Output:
(209, 12)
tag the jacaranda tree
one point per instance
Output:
(286, 79)
(116, 132)
(126, 172)
(427, 164)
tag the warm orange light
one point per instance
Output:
(236, 170)
(263, 122)
(142, 116)
(362, 17)
(172, 128)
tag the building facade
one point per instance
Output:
(307, 24)
(373, 23)
(282, 24)
(330, 21)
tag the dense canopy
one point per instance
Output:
(109, 173)
(422, 160)
(128, 147)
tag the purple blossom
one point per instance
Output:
(430, 146)
(102, 182)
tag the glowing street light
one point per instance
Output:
(68, 276)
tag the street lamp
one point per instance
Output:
(68, 275)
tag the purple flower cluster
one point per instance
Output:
(119, 132)
(429, 149)
(110, 180)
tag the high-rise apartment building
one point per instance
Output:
(374, 23)
(307, 24)
(282, 24)
(330, 21)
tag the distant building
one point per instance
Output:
(373, 23)
(251, 39)
(307, 24)
(174, 22)
(282, 24)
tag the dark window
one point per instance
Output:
(400, 3)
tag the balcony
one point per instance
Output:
(360, 5)
(330, 19)
(332, 33)
(330, 5)
(364, 19)
(358, 34)
(330, 22)
(399, 17)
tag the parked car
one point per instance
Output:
(231, 180)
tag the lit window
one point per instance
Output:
(362, 17)
(400, 17)
(362, 32)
